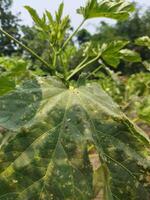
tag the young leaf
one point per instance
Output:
(47, 157)
(60, 12)
(50, 18)
(130, 55)
(38, 21)
(115, 9)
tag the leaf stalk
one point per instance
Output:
(71, 36)
(77, 69)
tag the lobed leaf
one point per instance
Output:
(47, 156)
(115, 9)
(111, 53)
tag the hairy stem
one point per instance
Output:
(71, 36)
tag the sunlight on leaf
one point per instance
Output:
(130, 55)
(143, 41)
(115, 9)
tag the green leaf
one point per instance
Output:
(101, 180)
(38, 21)
(144, 109)
(50, 18)
(6, 84)
(146, 64)
(53, 29)
(60, 12)
(111, 52)
(47, 154)
(130, 55)
(15, 71)
(143, 41)
(13, 64)
(115, 9)
(25, 99)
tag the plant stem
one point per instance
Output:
(51, 46)
(55, 59)
(63, 66)
(25, 47)
(76, 70)
(71, 36)
(82, 63)
(92, 73)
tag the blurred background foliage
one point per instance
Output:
(128, 83)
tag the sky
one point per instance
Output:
(52, 5)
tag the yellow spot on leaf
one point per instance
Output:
(71, 87)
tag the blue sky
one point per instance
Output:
(70, 8)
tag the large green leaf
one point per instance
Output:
(47, 156)
(115, 9)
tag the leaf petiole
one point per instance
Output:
(96, 70)
(71, 36)
(77, 69)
